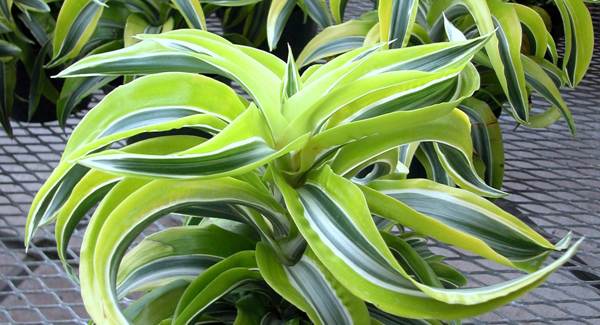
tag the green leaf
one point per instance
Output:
(135, 24)
(291, 79)
(311, 288)
(33, 5)
(90, 189)
(8, 50)
(94, 185)
(215, 282)
(367, 67)
(73, 92)
(191, 51)
(396, 20)
(462, 219)
(542, 83)
(5, 8)
(162, 99)
(8, 76)
(279, 13)
(52, 195)
(157, 305)
(152, 201)
(534, 29)
(430, 161)
(90, 239)
(407, 152)
(191, 12)
(503, 50)
(333, 216)
(509, 34)
(176, 253)
(268, 60)
(36, 86)
(462, 171)
(230, 3)
(450, 129)
(487, 139)
(176, 94)
(388, 163)
(245, 149)
(411, 261)
(338, 7)
(335, 40)
(75, 25)
(37, 25)
(579, 38)
(318, 11)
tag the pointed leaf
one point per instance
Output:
(396, 20)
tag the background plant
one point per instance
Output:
(309, 174)
(89, 26)
(259, 20)
(25, 27)
(520, 60)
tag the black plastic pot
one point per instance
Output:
(297, 32)
(557, 28)
(46, 110)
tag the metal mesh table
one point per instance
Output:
(553, 180)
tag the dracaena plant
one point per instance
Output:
(25, 27)
(520, 60)
(87, 27)
(28, 31)
(80, 22)
(296, 202)
(258, 21)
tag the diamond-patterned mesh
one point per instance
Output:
(553, 179)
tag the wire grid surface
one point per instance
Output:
(553, 180)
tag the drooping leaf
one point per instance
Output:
(318, 11)
(8, 50)
(151, 203)
(215, 282)
(542, 83)
(487, 139)
(452, 211)
(334, 218)
(157, 305)
(94, 185)
(177, 253)
(75, 25)
(312, 288)
(462, 171)
(336, 39)
(36, 85)
(103, 125)
(579, 38)
(191, 12)
(190, 51)
(338, 7)
(32, 5)
(246, 149)
(279, 12)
